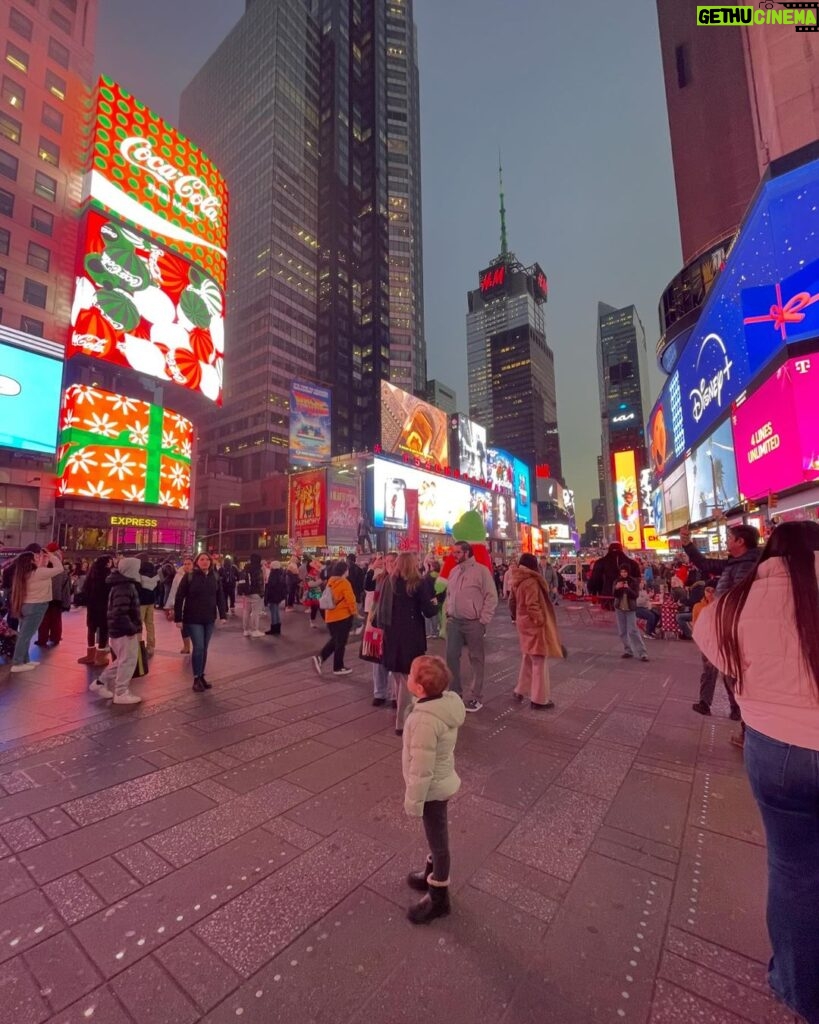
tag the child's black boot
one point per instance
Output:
(418, 879)
(434, 904)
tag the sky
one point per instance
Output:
(572, 94)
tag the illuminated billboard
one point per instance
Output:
(310, 421)
(30, 385)
(140, 306)
(711, 475)
(523, 491)
(154, 178)
(675, 500)
(501, 466)
(776, 430)
(117, 448)
(441, 499)
(627, 498)
(307, 506)
(411, 426)
(471, 447)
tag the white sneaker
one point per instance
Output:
(316, 663)
(257, 632)
(127, 698)
(26, 667)
(246, 633)
(342, 671)
(100, 690)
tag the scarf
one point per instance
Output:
(382, 606)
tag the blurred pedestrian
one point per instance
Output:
(275, 594)
(31, 591)
(252, 579)
(764, 634)
(124, 631)
(195, 609)
(51, 627)
(340, 610)
(471, 600)
(96, 612)
(184, 570)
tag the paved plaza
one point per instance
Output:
(240, 855)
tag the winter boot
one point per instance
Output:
(434, 904)
(101, 659)
(418, 879)
(90, 657)
(276, 629)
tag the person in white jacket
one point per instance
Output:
(30, 593)
(428, 761)
(764, 634)
(181, 573)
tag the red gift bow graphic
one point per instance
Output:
(789, 313)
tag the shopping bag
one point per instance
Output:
(141, 668)
(372, 644)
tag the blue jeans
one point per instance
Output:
(200, 634)
(380, 681)
(275, 614)
(785, 783)
(629, 633)
(30, 618)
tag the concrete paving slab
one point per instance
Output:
(651, 806)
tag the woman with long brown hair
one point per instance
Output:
(532, 611)
(764, 633)
(405, 600)
(31, 591)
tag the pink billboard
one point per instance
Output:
(776, 430)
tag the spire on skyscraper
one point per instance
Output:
(504, 246)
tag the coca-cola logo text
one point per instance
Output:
(190, 190)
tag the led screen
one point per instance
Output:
(138, 305)
(307, 505)
(411, 426)
(117, 448)
(157, 180)
(658, 510)
(523, 491)
(627, 497)
(675, 500)
(711, 475)
(30, 384)
(310, 421)
(441, 500)
(503, 516)
(471, 448)
(776, 430)
(501, 467)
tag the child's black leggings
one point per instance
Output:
(435, 826)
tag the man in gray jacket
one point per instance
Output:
(743, 554)
(471, 600)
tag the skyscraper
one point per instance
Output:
(311, 109)
(622, 375)
(512, 389)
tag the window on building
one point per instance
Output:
(52, 118)
(45, 186)
(6, 202)
(13, 94)
(16, 57)
(8, 165)
(49, 151)
(55, 85)
(683, 59)
(22, 25)
(42, 221)
(60, 20)
(38, 256)
(10, 128)
(35, 293)
(5, 241)
(58, 53)
(2, 280)
(31, 326)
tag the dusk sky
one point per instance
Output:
(571, 93)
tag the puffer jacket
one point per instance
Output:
(275, 590)
(123, 606)
(533, 613)
(778, 695)
(730, 570)
(428, 758)
(196, 597)
(344, 598)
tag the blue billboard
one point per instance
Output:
(523, 491)
(30, 385)
(766, 297)
(310, 423)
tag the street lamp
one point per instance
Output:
(224, 504)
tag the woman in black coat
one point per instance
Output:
(195, 608)
(275, 591)
(95, 594)
(406, 599)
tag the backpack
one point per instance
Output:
(327, 601)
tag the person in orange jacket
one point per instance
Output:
(340, 609)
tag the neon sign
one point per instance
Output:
(623, 417)
(710, 390)
(493, 278)
(540, 282)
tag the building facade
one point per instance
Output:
(441, 396)
(48, 56)
(512, 390)
(622, 377)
